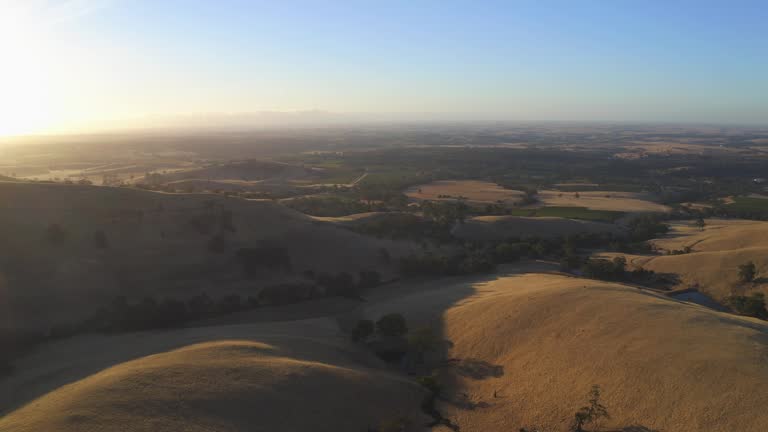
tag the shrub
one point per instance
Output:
(266, 257)
(283, 294)
(747, 272)
(217, 243)
(430, 383)
(363, 330)
(230, 303)
(55, 234)
(391, 325)
(590, 414)
(604, 269)
(369, 279)
(342, 284)
(100, 240)
(753, 305)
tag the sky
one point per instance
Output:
(82, 65)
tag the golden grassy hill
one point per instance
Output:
(296, 376)
(632, 202)
(540, 341)
(484, 228)
(717, 252)
(158, 244)
(475, 192)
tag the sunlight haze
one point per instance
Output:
(83, 65)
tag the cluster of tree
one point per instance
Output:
(148, 313)
(256, 259)
(468, 262)
(752, 305)
(445, 213)
(405, 226)
(212, 221)
(343, 284)
(386, 195)
(615, 269)
(392, 339)
(389, 325)
(530, 196)
(332, 206)
(646, 227)
(56, 234)
(747, 272)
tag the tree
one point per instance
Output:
(747, 272)
(369, 279)
(384, 256)
(55, 234)
(753, 305)
(590, 414)
(619, 266)
(423, 340)
(217, 244)
(362, 331)
(344, 285)
(391, 325)
(100, 240)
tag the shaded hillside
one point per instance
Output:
(286, 376)
(249, 170)
(68, 248)
(489, 228)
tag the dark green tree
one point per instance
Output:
(391, 325)
(362, 331)
(747, 272)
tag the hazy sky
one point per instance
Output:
(86, 64)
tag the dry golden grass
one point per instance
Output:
(529, 347)
(283, 376)
(602, 200)
(717, 251)
(474, 191)
(485, 228)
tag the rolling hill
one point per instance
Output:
(525, 350)
(67, 248)
(294, 376)
(716, 253)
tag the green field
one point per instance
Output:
(569, 213)
(749, 204)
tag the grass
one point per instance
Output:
(749, 204)
(570, 213)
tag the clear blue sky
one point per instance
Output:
(548, 60)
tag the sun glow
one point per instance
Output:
(26, 72)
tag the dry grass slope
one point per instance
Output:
(476, 192)
(530, 347)
(718, 251)
(296, 379)
(603, 200)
